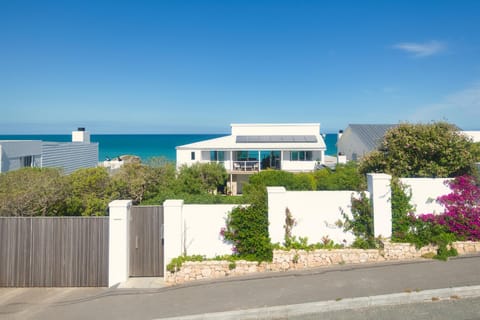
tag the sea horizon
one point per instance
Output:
(144, 145)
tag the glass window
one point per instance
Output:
(217, 156)
(294, 156)
(192, 155)
(301, 155)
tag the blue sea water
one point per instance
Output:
(145, 145)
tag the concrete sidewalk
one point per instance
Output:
(268, 291)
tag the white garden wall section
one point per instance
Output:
(425, 192)
(315, 213)
(194, 229)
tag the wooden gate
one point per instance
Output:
(146, 241)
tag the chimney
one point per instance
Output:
(340, 133)
(81, 136)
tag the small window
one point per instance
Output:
(27, 161)
(192, 155)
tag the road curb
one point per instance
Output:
(304, 309)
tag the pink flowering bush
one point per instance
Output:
(462, 209)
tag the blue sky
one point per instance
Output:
(197, 66)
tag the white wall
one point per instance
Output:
(185, 157)
(118, 241)
(194, 227)
(298, 166)
(379, 186)
(315, 212)
(474, 135)
(425, 191)
(202, 225)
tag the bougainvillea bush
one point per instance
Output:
(462, 209)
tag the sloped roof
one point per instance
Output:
(371, 134)
(257, 142)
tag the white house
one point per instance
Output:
(69, 156)
(254, 147)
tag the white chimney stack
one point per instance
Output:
(81, 136)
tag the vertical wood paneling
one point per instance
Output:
(53, 251)
(146, 243)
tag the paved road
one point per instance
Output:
(458, 309)
(271, 289)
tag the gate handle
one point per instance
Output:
(136, 242)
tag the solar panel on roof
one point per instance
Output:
(276, 139)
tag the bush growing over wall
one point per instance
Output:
(361, 222)
(401, 210)
(343, 177)
(247, 231)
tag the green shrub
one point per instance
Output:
(401, 209)
(361, 223)
(247, 231)
(177, 262)
(343, 177)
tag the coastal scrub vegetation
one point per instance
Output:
(87, 192)
(423, 150)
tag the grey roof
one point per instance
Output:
(371, 134)
(276, 139)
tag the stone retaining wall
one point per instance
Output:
(301, 259)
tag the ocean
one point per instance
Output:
(145, 145)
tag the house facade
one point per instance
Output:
(69, 156)
(251, 148)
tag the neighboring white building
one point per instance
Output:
(359, 139)
(474, 135)
(254, 147)
(69, 156)
(16, 154)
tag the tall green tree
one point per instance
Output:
(422, 150)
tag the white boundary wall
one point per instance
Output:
(201, 229)
(316, 214)
(425, 192)
(194, 228)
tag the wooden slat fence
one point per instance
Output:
(53, 251)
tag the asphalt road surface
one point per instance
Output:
(258, 291)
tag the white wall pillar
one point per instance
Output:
(277, 203)
(381, 195)
(172, 230)
(118, 241)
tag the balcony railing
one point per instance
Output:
(246, 166)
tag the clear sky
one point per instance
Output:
(197, 66)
